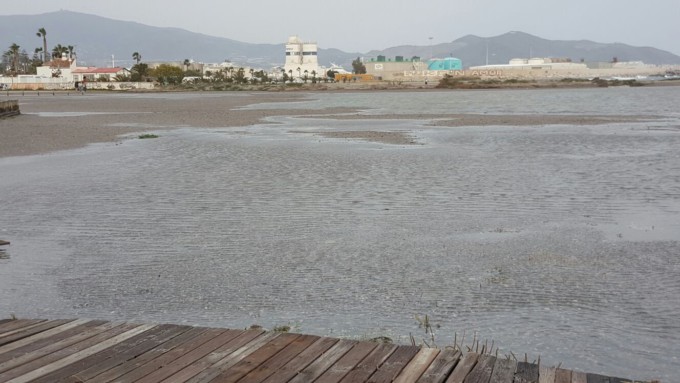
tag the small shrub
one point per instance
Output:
(283, 328)
(147, 135)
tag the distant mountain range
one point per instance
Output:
(100, 41)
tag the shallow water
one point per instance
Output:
(556, 240)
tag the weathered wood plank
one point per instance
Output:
(94, 365)
(51, 352)
(526, 373)
(417, 366)
(482, 371)
(396, 362)
(272, 365)
(80, 354)
(370, 364)
(227, 362)
(187, 359)
(301, 361)
(75, 351)
(441, 367)
(34, 339)
(503, 371)
(256, 358)
(29, 331)
(546, 374)
(168, 357)
(10, 327)
(132, 364)
(216, 355)
(578, 377)
(463, 368)
(323, 362)
(348, 361)
(562, 376)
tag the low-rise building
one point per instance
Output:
(98, 74)
(68, 71)
(57, 68)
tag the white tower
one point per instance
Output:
(301, 58)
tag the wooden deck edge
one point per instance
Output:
(399, 363)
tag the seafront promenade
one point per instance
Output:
(81, 350)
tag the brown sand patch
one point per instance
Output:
(113, 116)
(118, 114)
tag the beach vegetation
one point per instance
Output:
(42, 33)
(239, 76)
(168, 74)
(331, 74)
(139, 72)
(147, 135)
(282, 328)
(59, 51)
(122, 78)
(12, 56)
(137, 57)
(358, 67)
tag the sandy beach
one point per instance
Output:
(32, 133)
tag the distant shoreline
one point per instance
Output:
(77, 120)
(457, 83)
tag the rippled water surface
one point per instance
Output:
(555, 240)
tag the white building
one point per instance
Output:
(68, 70)
(58, 68)
(302, 59)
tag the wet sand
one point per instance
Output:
(118, 114)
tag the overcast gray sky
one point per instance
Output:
(362, 25)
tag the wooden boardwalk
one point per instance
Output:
(34, 350)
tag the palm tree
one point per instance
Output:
(13, 54)
(137, 57)
(299, 74)
(186, 64)
(38, 54)
(59, 51)
(306, 76)
(290, 71)
(43, 33)
(71, 51)
(313, 77)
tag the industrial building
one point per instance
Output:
(302, 59)
(413, 69)
(449, 63)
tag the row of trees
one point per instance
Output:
(16, 60)
(170, 74)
